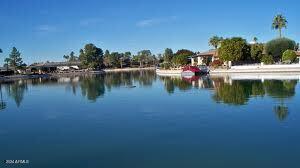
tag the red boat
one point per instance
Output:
(190, 70)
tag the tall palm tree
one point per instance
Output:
(279, 22)
(215, 41)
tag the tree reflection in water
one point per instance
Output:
(238, 92)
(281, 112)
(16, 90)
(92, 87)
(171, 83)
(2, 103)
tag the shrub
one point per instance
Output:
(216, 63)
(267, 59)
(289, 55)
(276, 47)
(257, 51)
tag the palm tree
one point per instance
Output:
(279, 22)
(215, 41)
(66, 57)
(255, 39)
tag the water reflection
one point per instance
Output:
(225, 89)
(238, 92)
(16, 90)
(2, 103)
(281, 112)
(92, 88)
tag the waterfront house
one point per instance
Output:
(54, 66)
(6, 71)
(204, 58)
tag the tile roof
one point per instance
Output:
(55, 64)
(207, 53)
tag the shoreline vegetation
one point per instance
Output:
(231, 54)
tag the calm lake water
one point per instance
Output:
(104, 121)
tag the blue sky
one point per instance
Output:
(47, 29)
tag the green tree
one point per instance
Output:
(6, 60)
(279, 22)
(15, 60)
(106, 61)
(256, 51)
(143, 56)
(160, 58)
(71, 57)
(168, 55)
(289, 55)
(66, 57)
(181, 57)
(215, 41)
(278, 46)
(91, 56)
(124, 59)
(234, 49)
(114, 59)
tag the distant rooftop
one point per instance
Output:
(209, 53)
(56, 64)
